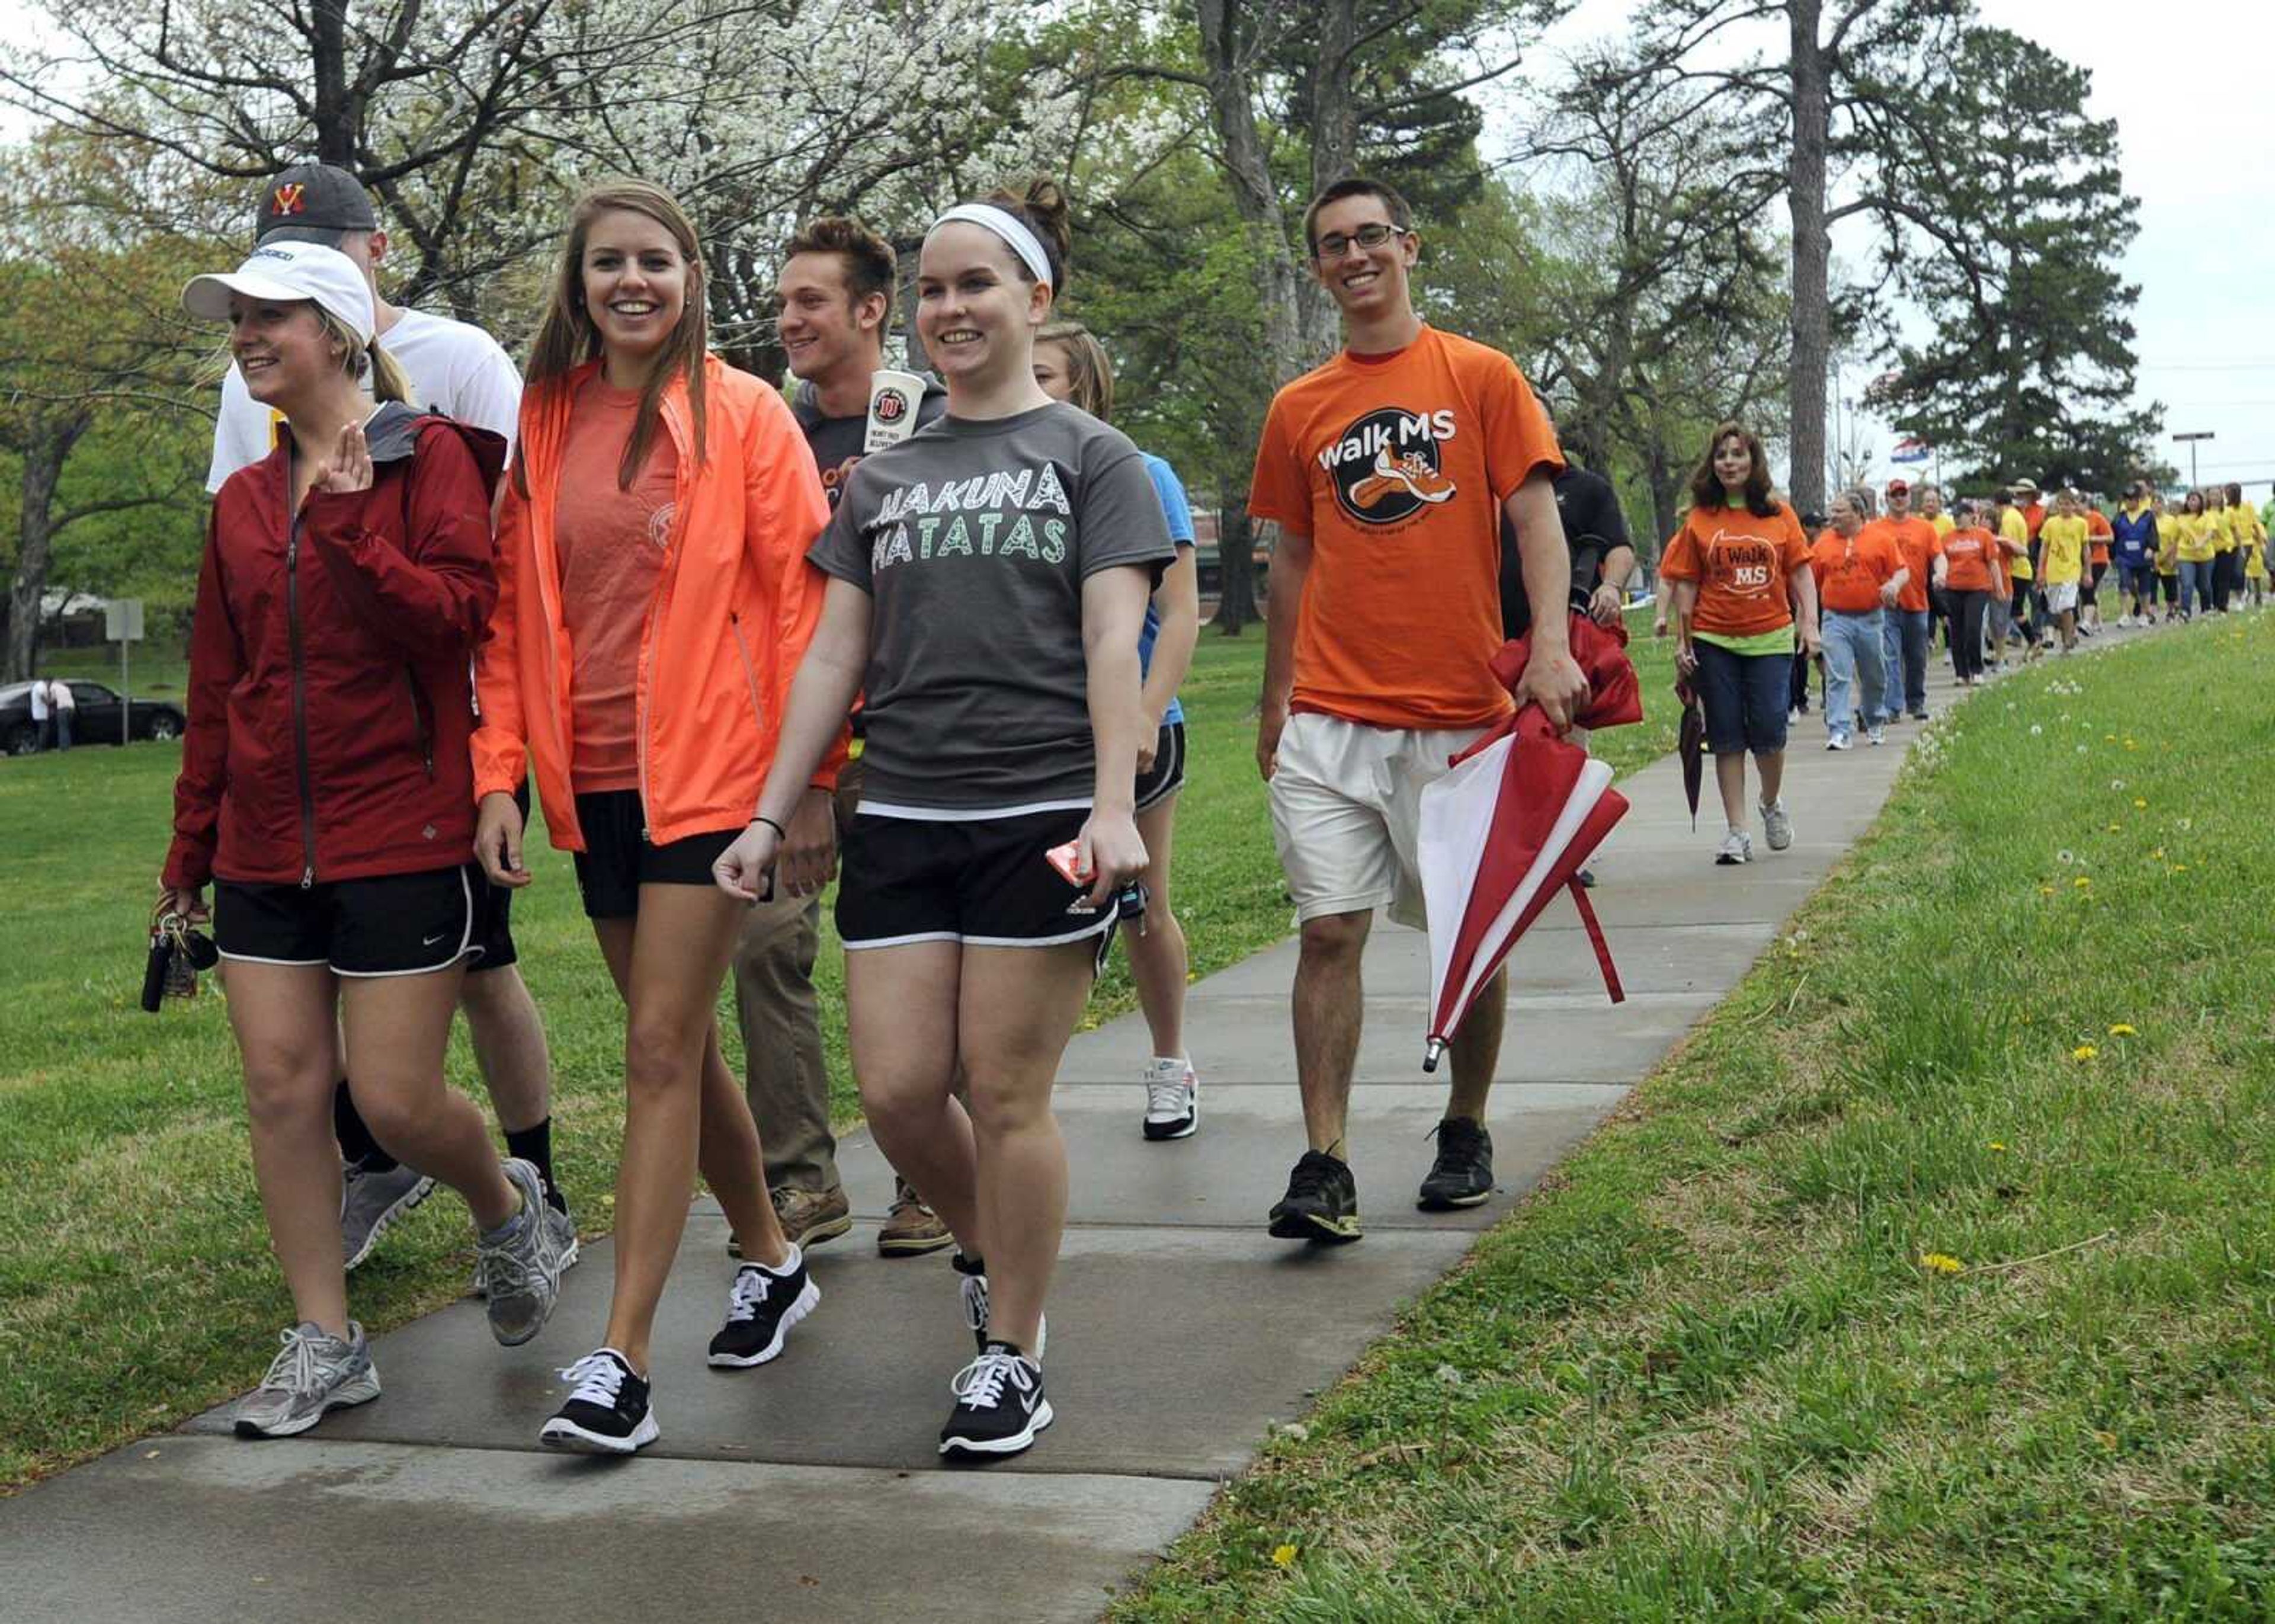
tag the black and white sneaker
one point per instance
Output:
(1462, 1175)
(608, 1410)
(974, 1289)
(1173, 1099)
(1321, 1203)
(761, 1308)
(999, 1405)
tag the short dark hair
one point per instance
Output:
(871, 265)
(1354, 185)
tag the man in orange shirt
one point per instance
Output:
(1904, 627)
(1858, 577)
(1388, 471)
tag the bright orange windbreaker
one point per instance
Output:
(734, 610)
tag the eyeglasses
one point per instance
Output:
(1335, 245)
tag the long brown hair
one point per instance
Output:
(1706, 485)
(1089, 375)
(567, 338)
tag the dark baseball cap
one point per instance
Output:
(312, 203)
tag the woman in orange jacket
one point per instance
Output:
(654, 601)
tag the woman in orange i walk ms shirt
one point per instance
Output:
(1388, 471)
(654, 600)
(1740, 565)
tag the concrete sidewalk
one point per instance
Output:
(809, 1489)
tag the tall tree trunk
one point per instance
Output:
(1235, 554)
(46, 445)
(333, 114)
(1812, 253)
(1334, 120)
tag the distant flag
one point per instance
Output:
(1910, 450)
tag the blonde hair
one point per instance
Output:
(1089, 375)
(567, 338)
(389, 380)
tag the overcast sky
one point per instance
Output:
(2187, 82)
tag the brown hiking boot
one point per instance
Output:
(809, 1216)
(912, 1227)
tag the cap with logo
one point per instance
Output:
(283, 271)
(312, 203)
(1899, 488)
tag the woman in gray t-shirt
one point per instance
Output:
(989, 576)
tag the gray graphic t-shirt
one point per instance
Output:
(973, 539)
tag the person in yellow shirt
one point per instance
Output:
(2250, 546)
(2194, 547)
(2061, 560)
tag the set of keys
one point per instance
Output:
(177, 953)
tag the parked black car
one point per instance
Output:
(96, 721)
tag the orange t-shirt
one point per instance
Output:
(611, 544)
(1966, 556)
(1916, 544)
(1395, 467)
(1850, 573)
(2034, 515)
(2099, 535)
(1741, 562)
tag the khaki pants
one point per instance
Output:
(785, 1076)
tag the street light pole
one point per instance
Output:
(2202, 434)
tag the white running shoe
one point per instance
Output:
(1173, 1099)
(1839, 741)
(1777, 824)
(1737, 847)
(1876, 735)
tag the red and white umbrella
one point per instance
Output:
(1512, 824)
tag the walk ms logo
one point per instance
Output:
(1387, 466)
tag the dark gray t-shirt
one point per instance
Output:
(973, 539)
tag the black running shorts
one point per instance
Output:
(392, 925)
(618, 859)
(985, 883)
(1166, 776)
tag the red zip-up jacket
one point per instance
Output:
(330, 705)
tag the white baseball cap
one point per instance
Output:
(285, 272)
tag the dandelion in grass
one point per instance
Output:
(2123, 1029)
(2036, 730)
(2107, 1441)
(2185, 825)
(2139, 805)
(2046, 890)
(2084, 1053)
(1283, 1556)
(1997, 1147)
(2082, 881)
(2178, 868)
(1941, 1263)
(2065, 856)
(2117, 829)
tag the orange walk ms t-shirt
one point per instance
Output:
(1967, 561)
(1741, 563)
(1397, 466)
(1850, 573)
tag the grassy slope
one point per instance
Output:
(1704, 1372)
(135, 1283)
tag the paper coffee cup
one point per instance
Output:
(893, 400)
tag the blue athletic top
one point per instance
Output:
(1180, 515)
(2133, 537)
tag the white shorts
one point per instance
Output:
(2061, 597)
(1347, 811)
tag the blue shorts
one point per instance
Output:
(1744, 698)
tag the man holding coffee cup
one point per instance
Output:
(834, 307)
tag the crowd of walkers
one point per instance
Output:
(919, 634)
(1757, 606)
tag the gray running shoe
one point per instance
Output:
(313, 1374)
(369, 1202)
(518, 1263)
(564, 1235)
(1777, 824)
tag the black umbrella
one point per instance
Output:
(1690, 744)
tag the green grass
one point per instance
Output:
(155, 671)
(1705, 1372)
(135, 1281)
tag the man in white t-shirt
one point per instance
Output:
(455, 369)
(459, 371)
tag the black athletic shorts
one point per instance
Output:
(391, 925)
(494, 910)
(618, 859)
(1166, 776)
(985, 882)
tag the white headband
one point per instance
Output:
(1008, 226)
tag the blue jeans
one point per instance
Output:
(1903, 657)
(2195, 584)
(1852, 652)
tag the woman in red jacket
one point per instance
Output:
(654, 597)
(325, 792)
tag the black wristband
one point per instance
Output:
(780, 833)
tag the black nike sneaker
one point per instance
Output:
(999, 1405)
(1462, 1175)
(761, 1308)
(1321, 1203)
(608, 1412)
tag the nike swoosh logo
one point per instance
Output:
(428, 941)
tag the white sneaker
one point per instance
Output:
(1173, 1099)
(1777, 824)
(1737, 847)
(1839, 741)
(1876, 735)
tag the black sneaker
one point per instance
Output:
(1321, 1203)
(999, 1405)
(1463, 1174)
(761, 1308)
(607, 1410)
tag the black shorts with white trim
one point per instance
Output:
(390, 924)
(985, 882)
